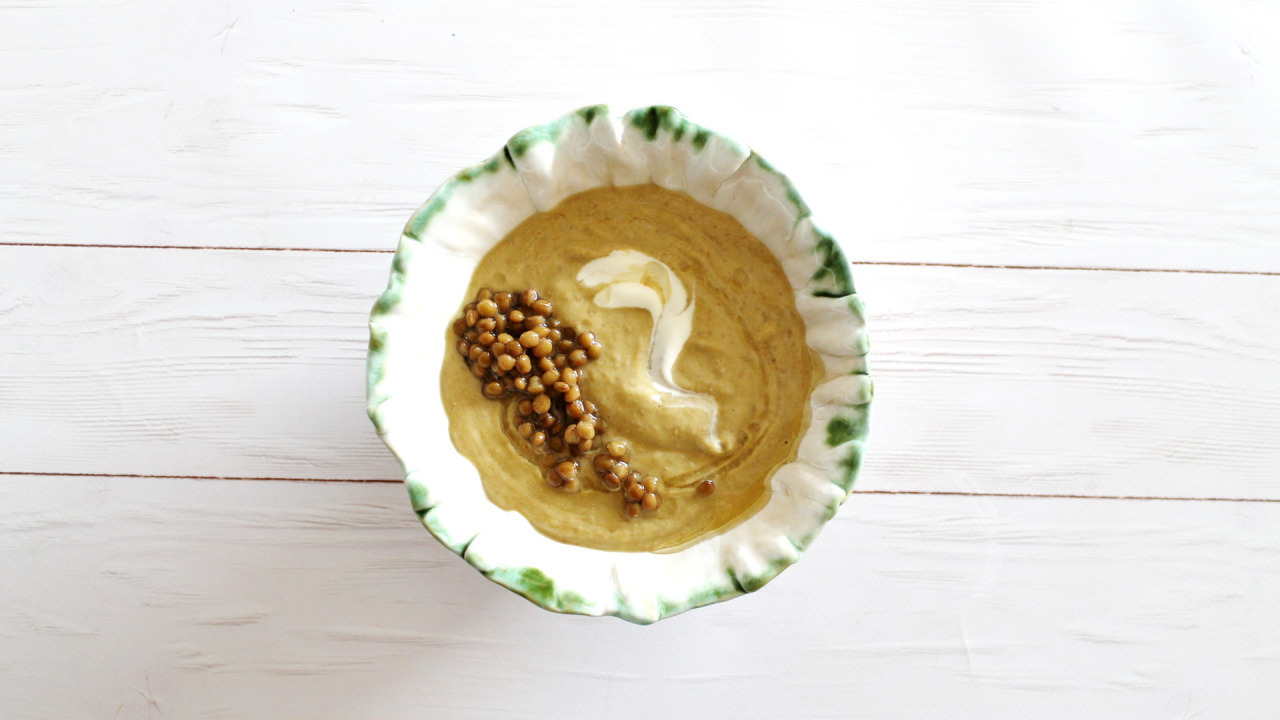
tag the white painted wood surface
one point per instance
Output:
(258, 599)
(237, 363)
(1118, 140)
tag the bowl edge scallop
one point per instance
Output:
(534, 171)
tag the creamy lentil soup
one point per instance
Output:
(630, 370)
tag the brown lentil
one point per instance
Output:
(706, 487)
(542, 403)
(633, 510)
(635, 492)
(650, 502)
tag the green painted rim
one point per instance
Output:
(832, 449)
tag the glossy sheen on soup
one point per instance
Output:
(643, 268)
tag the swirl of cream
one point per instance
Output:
(632, 279)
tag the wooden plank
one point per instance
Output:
(188, 362)
(250, 364)
(1071, 382)
(919, 131)
(176, 598)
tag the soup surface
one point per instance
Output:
(705, 373)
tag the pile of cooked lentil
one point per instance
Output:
(522, 353)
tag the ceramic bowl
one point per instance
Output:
(441, 246)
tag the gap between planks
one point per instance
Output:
(881, 263)
(944, 493)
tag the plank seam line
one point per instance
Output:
(194, 247)
(873, 263)
(888, 263)
(955, 493)
(195, 477)
(1064, 495)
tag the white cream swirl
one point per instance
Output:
(632, 279)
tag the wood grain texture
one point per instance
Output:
(979, 133)
(1071, 382)
(212, 599)
(1040, 133)
(250, 364)
(200, 362)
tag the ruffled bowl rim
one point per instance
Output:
(534, 171)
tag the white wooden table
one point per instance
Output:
(1064, 219)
